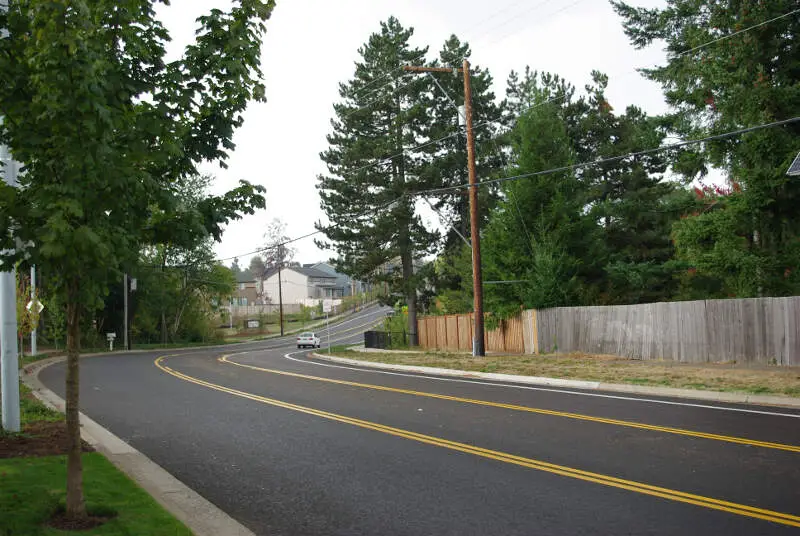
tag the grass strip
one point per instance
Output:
(32, 490)
(724, 377)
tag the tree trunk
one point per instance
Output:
(76, 508)
(411, 296)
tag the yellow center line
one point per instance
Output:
(514, 407)
(588, 476)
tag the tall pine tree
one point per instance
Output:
(373, 223)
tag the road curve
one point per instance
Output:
(290, 445)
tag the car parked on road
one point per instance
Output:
(307, 339)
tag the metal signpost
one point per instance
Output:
(327, 306)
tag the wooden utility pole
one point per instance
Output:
(478, 347)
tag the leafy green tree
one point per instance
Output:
(373, 224)
(743, 79)
(108, 131)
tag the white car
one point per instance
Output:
(308, 339)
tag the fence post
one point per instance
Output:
(535, 322)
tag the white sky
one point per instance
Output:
(311, 46)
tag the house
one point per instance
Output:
(299, 284)
(246, 292)
(348, 285)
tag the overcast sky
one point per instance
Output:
(311, 46)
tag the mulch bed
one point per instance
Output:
(60, 522)
(40, 438)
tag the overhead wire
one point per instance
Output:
(573, 167)
(563, 168)
(556, 98)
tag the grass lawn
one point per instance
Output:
(33, 489)
(711, 377)
(33, 483)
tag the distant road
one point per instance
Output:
(289, 445)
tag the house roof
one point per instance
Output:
(312, 272)
(304, 270)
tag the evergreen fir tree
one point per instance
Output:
(743, 79)
(373, 224)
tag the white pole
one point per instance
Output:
(327, 321)
(34, 305)
(125, 312)
(9, 356)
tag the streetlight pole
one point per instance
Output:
(9, 353)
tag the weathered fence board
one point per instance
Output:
(454, 332)
(751, 330)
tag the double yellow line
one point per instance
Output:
(514, 407)
(597, 478)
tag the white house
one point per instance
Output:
(299, 284)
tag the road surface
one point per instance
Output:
(290, 445)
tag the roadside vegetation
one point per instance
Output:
(709, 377)
(33, 484)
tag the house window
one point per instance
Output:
(241, 286)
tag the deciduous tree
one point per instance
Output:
(108, 131)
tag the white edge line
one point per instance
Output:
(545, 389)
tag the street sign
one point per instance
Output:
(133, 284)
(794, 169)
(39, 306)
(327, 306)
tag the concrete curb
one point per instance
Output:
(196, 512)
(716, 396)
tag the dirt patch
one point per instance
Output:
(60, 522)
(40, 438)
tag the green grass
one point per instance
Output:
(28, 359)
(33, 489)
(31, 410)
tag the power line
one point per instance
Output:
(268, 248)
(572, 167)
(488, 30)
(582, 165)
(556, 99)
(318, 231)
(554, 170)
(724, 37)
(390, 71)
(378, 99)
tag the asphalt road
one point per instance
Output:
(289, 445)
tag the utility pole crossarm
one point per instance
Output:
(478, 342)
(423, 69)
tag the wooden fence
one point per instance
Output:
(754, 330)
(454, 333)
